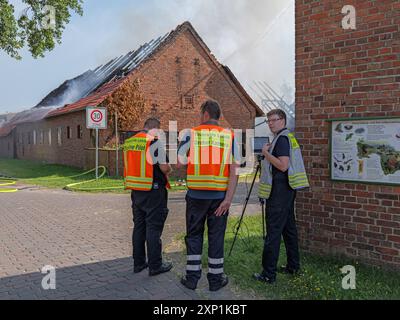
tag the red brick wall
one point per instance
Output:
(340, 74)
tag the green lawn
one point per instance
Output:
(59, 176)
(321, 277)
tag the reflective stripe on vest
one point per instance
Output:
(209, 158)
(296, 172)
(138, 167)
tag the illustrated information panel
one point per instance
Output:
(366, 150)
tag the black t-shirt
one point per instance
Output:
(158, 176)
(282, 149)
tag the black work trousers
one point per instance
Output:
(281, 221)
(197, 212)
(149, 214)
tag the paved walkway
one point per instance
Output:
(87, 238)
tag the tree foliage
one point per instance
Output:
(128, 102)
(40, 26)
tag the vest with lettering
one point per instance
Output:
(209, 158)
(138, 163)
(296, 172)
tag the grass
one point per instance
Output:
(321, 277)
(58, 176)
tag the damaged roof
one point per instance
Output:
(106, 79)
(93, 86)
(32, 115)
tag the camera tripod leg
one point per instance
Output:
(244, 207)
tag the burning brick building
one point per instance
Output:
(167, 78)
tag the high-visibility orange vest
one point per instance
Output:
(210, 157)
(138, 163)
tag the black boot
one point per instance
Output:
(215, 286)
(137, 269)
(188, 283)
(165, 267)
(261, 277)
(285, 269)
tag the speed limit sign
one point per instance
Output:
(96, 118)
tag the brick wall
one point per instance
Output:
(7, 146)
(342, 74)
(69, 152)
(183, 71)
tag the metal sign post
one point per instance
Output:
(117, 145)
(97, 153)
(96, 118)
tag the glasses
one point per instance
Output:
(273, 120)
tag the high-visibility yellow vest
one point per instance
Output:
(138, 163)
(210, 157)
(296, 172)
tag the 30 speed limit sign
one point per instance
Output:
(96, 118)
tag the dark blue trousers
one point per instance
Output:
(149, 214)
(198, 211)
(280, 222)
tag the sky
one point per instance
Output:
(255, 39)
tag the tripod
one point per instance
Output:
(259, 158)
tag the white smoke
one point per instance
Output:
(77, 89)
(256, 38)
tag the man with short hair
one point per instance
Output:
(145, 173)
(282, 173)
(211, 180)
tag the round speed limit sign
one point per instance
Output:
(96, 116)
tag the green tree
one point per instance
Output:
(40, 26)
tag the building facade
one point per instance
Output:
(345, 72)
(176, 76)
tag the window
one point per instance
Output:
(34, 137)
(59, 136)
(79, 132)
(41, 137)
(49, 133)
(29, 138)
(189, 99)
(68, 132)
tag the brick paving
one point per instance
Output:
(87, 238)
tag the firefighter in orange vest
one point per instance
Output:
(211, 180)
(145, 173)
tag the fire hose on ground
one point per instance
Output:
(7, 182)
(76, 186)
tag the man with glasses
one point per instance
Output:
(282, 174)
